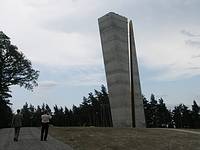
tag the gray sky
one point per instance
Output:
(61, 38)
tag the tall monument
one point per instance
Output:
(122, 73)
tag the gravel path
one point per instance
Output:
(29, 139)
(187, 131)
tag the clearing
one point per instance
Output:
(94, 138)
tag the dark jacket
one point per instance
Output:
(17, 120)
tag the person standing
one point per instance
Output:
(45, 125)
(17, 124)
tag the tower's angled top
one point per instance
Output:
(112, 15)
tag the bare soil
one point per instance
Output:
(94, 138)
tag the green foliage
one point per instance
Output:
(95, 111)
(32, 115)
(26, 111)
(5, 113)
(59, 116)
(195, 115)
(185, 118)
(156, 114)
(182, 116)
(15, 69)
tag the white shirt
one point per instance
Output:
(45, 118)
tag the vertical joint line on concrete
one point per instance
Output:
(131, 71)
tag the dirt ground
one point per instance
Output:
(93, 138)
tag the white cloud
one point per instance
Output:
(193, 43)
(85, 79)
(46, 46)
(188, 33)
(47, 84)
(57, 77)
(65, 33)
(167, 53)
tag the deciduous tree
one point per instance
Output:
(15, 69)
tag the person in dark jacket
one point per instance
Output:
(17, 124)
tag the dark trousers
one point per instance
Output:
(44, 131)
(17, 129)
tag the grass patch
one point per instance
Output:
(196, 130)
(93, 138)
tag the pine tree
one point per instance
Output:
(195, 115)
(5, 113)
(26, 115)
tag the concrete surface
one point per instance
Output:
(121, 69)
(29, 139)
(137, 101)
(114, 38)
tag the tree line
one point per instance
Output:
(157, 114)
(95, 111)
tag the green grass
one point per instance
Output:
(93, 138)
(196, 130)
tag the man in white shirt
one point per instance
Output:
(45, 125)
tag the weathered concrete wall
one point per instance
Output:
(114, 39)
(122, 73)
(137, 107)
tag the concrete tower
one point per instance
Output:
(122, 73)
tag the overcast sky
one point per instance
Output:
(61, 38)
